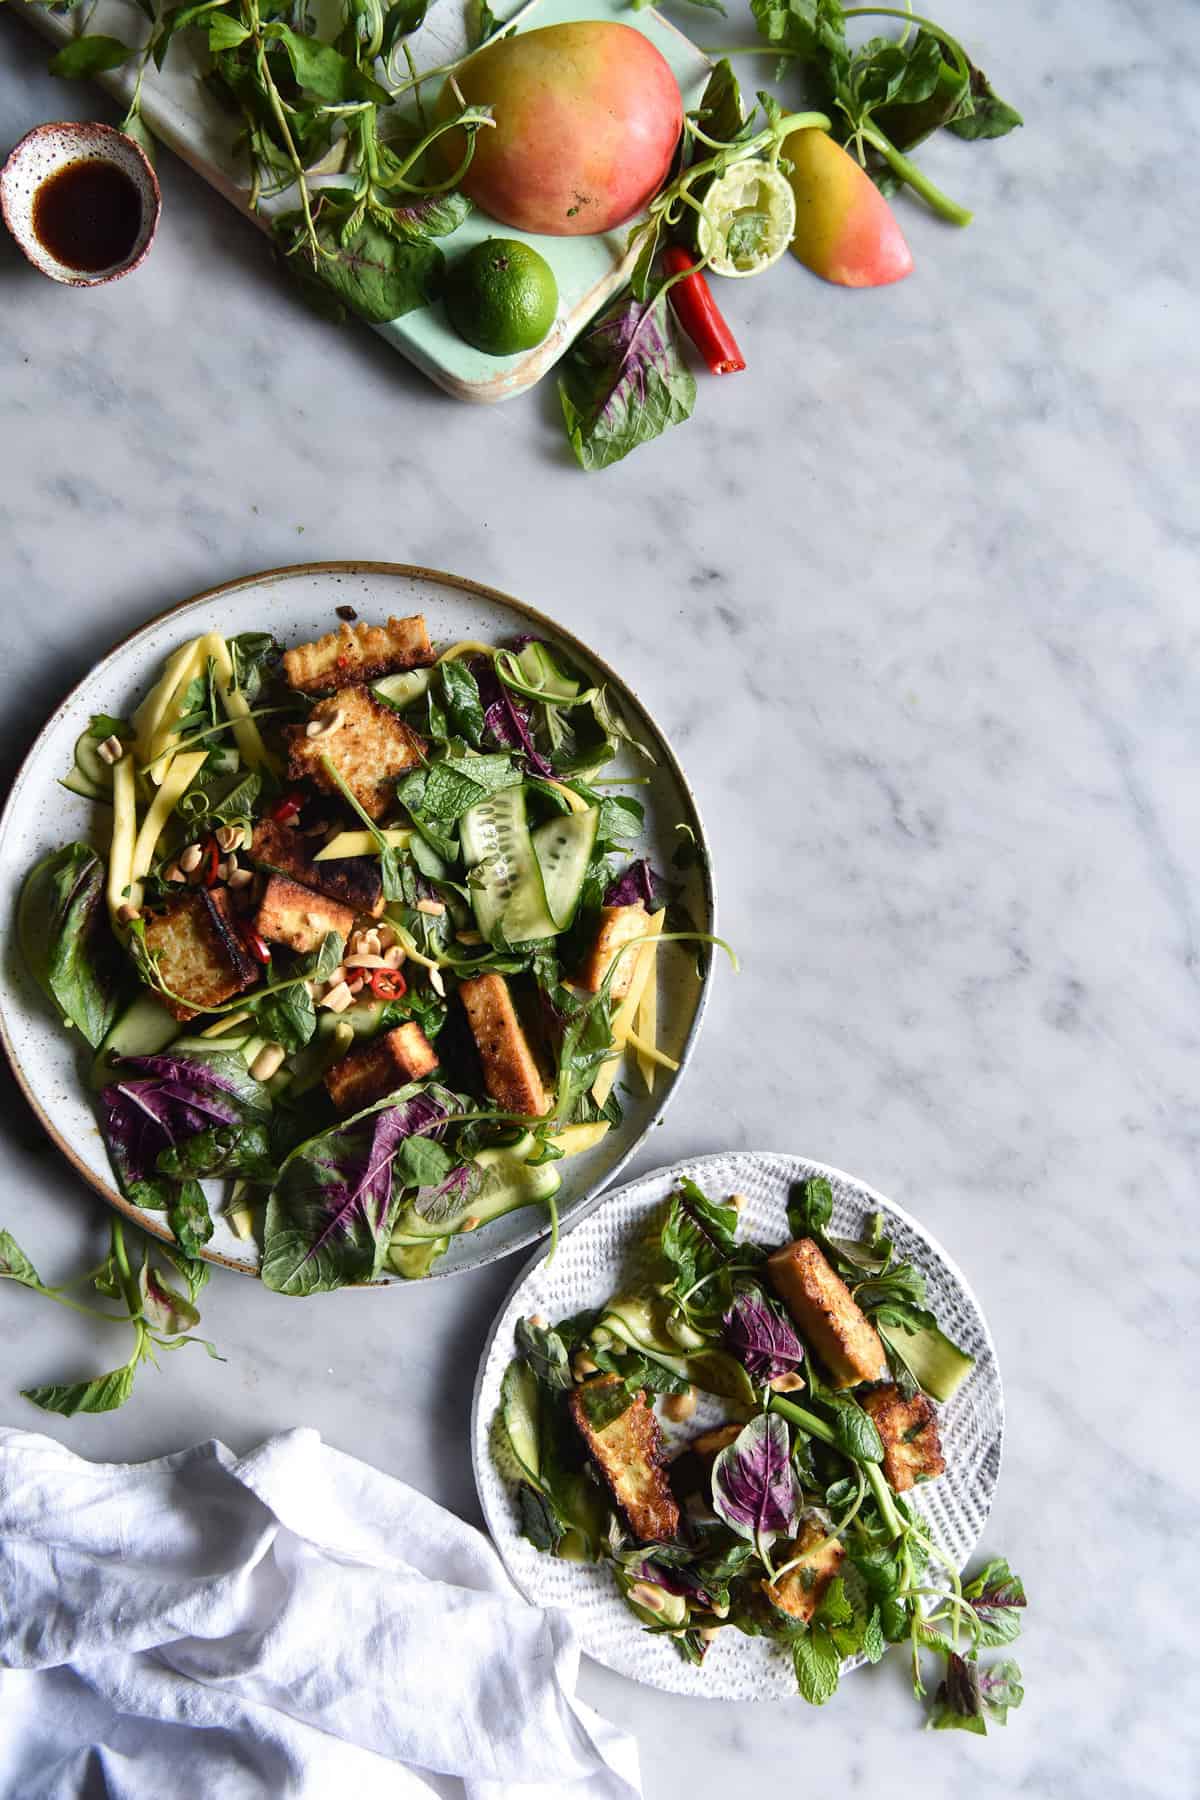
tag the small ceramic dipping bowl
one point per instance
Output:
(42, 155)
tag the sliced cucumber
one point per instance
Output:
(90, 764)
(414, 1261)
(506, 879)
(508, 1182)
(540, 670)
(519, 1411)
(564, 846)
(231, 1043)
(143, 1029)
(399, 691)
(76, 784)
(935, 1363)
(364, 1018)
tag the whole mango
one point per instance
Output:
(587, 118)
(845, 230)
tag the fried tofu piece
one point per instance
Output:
(352, 879)
(912, 1448)
(510, 1073)
(198, 951)
(387, 1063)
(826, 1313)
(802, 1589)
(629, 1454)
(619, 925)
(358, 653)
(366, 742)
(293, 915)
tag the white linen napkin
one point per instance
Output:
(288, 1623)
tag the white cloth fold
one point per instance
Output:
(292, 1622)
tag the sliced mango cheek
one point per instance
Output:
(845, 230)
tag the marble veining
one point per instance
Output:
(915, 599)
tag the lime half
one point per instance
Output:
(747, 220)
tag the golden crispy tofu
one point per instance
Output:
(619, 925)
(826, 1313)
(387, 1063)
(354, 879)
(510, 1073)
(358, 653)
(912, 1449)
(367, 743)
(629, 1454)
(802, 1589)
(293, 915)
(199, 954)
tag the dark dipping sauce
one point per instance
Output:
(88, 214)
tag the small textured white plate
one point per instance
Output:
(298, 604)
(608, 1251)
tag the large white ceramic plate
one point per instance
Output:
(298, 604)
(608, 1251)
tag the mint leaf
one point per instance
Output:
(818, 1667)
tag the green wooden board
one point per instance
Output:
(589, 270)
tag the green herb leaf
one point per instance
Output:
(818, 1666)
(104, 1394)
(998, 1597)
(983, 114)
(544, 1350)
(67, 942)
(324, 71)
(189, 1218)
(970, 1695)
(810, 1207)
(81, 57)
(379, 276)
(14, 1264)
(539, 1518)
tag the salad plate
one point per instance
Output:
(48, 808)
(616, 1250)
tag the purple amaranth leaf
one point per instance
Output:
(765, 1344)
(507, 719)
(362, 1182)
(330, 1215)
(624, 381)
(639, 882)
(754, 1486)
(157, 1101)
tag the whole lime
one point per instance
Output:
(501, 297)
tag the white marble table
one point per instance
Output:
(916, 597)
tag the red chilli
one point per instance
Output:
(258, 947)
(388, 984)
(287, 808)
(700, 316)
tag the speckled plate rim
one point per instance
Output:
(480, 590)
(642, 1194)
